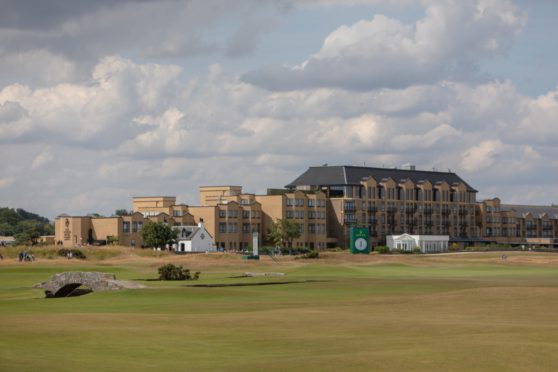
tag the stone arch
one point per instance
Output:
(63, 284)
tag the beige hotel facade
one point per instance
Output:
(326, 202)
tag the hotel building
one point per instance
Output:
(390, 201)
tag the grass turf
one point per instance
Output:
(425, 313)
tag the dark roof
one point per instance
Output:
(351, 175)
(535, 210)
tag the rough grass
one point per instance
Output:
(457, 312)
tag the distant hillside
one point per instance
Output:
(14, 222)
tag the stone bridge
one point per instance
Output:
(63, 284)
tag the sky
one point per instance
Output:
(104, 100)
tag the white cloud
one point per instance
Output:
(482, 155)
(83, 113)
(385, 53)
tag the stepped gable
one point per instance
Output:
(536, 210)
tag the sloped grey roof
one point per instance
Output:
(535, 210)
(351, 175)
(190, 230)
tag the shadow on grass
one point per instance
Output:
(220, 285)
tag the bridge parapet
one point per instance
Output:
(63, 284)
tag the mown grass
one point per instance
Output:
(425, 313)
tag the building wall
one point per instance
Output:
(71, 230)
(229, 215)
(521, 224)
(308, 209)
(103, 228)
(213, 195)
(388, 207)
(152, 205)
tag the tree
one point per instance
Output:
(27, 237)
(157, 234)
(18, 221)
(121, 212)
(283, 231)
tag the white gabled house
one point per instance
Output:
(426, 243)
(193, 239)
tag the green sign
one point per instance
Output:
(359, 241)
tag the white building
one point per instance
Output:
(193, 239)
(426, 243)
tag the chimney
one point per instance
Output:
(200, 225)
(409, 166)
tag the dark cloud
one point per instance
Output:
(45, 15)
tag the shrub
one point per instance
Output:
(382, 249)
(416, 250)
(172, 272)
(311, 254)
(76, 253)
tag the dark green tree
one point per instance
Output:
(157, 234)
(283, 231)
(121, 212)
(27, 237)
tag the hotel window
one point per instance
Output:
(222, 227)
(300, 202)
(290, 214)
(126, 227)
(177, 213)
(245, 228)
(140, 226)
(311, 202)
(222, 213)
(245, 214)
(134, 227)
(290, 202)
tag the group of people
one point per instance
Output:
(26, 256)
